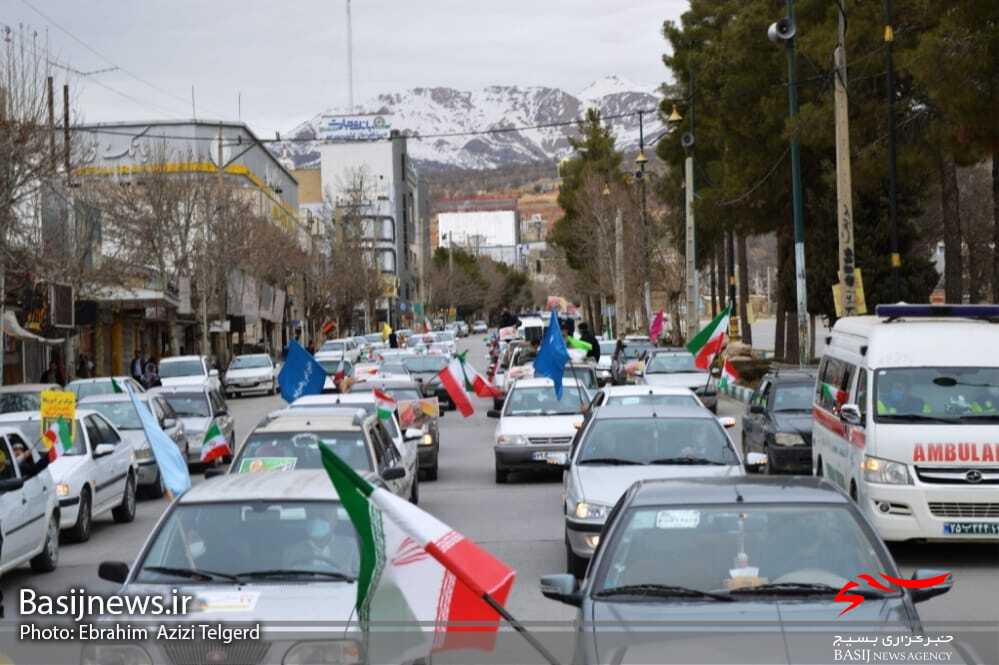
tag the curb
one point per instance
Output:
(740, 393)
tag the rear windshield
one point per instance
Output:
(250, 362)
(121, 414)
(175, 368)
(286, 451)
(188, 405)
(15, 402)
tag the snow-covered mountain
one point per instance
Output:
(430, 112)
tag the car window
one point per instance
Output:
(93, 432)
(8, 468)
(644, 441)
(541, 401)
(791, 397)
(168, 411)
(189, 405)
(217, 404)
(16, 402)
(390, 456)
(250, 362)
(122, 414)
(108, 435)
(653, 399)
(267, 451)
(669, 363)
(176, 368)
(861, 394)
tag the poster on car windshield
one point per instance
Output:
(257, 464)
(57, 404)
(418, 412)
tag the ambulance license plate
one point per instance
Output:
(971, 528)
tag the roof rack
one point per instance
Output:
(988, 313)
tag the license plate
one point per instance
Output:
(551, 458)
(971, 528)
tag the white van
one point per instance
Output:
(907, 419)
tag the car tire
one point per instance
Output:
(124, 512)
(502, 475)
(47, 560)
(156, 490)
(80, 532)
(432, 472)
(414, 491)
(574, 565)
(497, 404)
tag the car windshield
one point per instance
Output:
(285, 451)
(937, 394)
(657, 441)
(31, 429)
(425, 363)
(90, 388)
(265, 541)
(15, 402)
(331, 367)
(607, 347)
(541, 401)
(722, 548)
(121, 414)
(333, 346)
(175, 368)
(794, 397)
(670, 363)
(393, 367)
(250, 362)
(633, 351)
(189, 405)
(583, 374)
(652, 399)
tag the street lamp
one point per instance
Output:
(641, 160)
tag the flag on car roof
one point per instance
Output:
(169, 459)
(58, 439)
(115, 386)
(729, 375)
(552, 356)
(386, 404)
(478, 383)
(301, 374)
(452, 377)
(415, 568)
(709, 342)
(214, 445)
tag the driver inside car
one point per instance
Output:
(323, 548)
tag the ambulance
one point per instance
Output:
(906, 419)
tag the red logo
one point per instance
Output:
(854, 599)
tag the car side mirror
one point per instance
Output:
(755, 462)
(493, 413)
(563, 587)
(103, 449)
(412, 433)
(213, 372)
(215, 471)
(169, 422)
(850, 414)
(11, 484)
(393, 473)
(113, 571)
(943, 582)
(757, 409)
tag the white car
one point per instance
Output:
(604, 365)
(623, 444)
(249, 373)
(642, 395)
(330, 360)
(535, 427)
(101, 385)
(198, 407)
(675, 367)
(183, 370)
(29, 510)
(97, 475)
(348, 347)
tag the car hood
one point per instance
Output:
(539, 425)
(690, 380)
(67, 465)
(606, 484)
(249, 373)
(785, 630)
(311, 601)
(136, 437)
(794, 421)
(195, 423)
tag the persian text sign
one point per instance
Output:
(354, 127)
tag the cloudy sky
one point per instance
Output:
(286, 59)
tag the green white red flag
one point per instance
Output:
(709, 342)
(58, 439)
(478, 383)
(729, 375)
(214, 445)
(386, 404)
(453, 379)
(414, 568)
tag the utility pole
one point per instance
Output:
(844, 186)
(693, 294)
(646, 263)
(896, 258)
(730, 278)
(799, 214)
(65, 130)
(620, 307)
(350, 62)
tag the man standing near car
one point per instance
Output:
(587, 336)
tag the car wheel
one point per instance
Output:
(414, 491)
(156, 490)
(80, 532)
(47, 560)
(501, 475)
(125, 511)
(574, 565)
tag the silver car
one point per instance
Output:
(251, 549)
(198, 407)
(249, 373)
(119, 410)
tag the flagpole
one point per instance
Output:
(531, 639)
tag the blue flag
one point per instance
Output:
(552, 356)
(301, 374)
(173, 466)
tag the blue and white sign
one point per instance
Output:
(354, 127)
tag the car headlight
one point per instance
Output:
(120, 654)
(877, 470)
(143, 453)
(591, 511)
(62, 489)
(426, 440)
(332, 652)
(511, 440)
(789, 439)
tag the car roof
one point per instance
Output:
(252, 355)
(170, 359)
(295, 420)
(541, 382)
(647, 389)
(194, 387)
(670, 349)
(643, 411)
(303, 485)
(99, 379)
(791, 376)
(387, 380)
(18, 416)
(725, 491)
(29, 387)
(334, 399)
(114, 397)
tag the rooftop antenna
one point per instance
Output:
(350, 62)
(194, 110)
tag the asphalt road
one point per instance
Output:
(521, 522)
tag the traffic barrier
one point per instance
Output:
(741, 393)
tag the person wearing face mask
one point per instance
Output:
(899, 400)
(321, 550)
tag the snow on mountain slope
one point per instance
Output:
(457, 114)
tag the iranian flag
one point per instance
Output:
(831, 393)
(386, 404)
(453, 379)
(729, 376)
(478, 383)
(340, 373)
(214, 445)
(414, 568)
(710, 340)
(115, 387)
(58, 440)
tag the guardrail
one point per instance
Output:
(741, 393)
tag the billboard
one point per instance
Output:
(366, 127)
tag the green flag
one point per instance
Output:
(580, 344)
